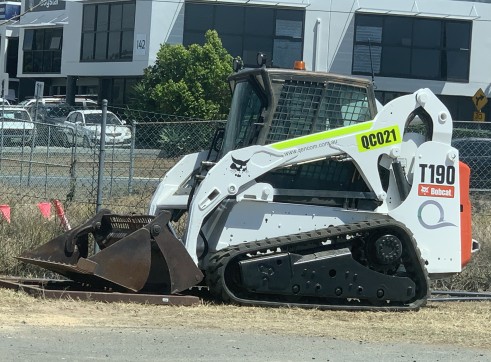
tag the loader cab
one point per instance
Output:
(249, 103)
(272, 105)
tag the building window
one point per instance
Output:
(12, 56)
(412, 47)
(118, 91)
(107, 32)
(42, 50)
(247, 30)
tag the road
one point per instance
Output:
(84, 182)
(29, 343)
(53, 150)
(52, 167)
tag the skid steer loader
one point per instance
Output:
(309, 197)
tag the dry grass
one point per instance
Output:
(23, 234)
(463, 324)
(477, 274)
(28, 230)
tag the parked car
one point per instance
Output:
(30, 102)
(476, 153)
(80, 103)
(83, 127)
(50, 124)
(16, 126)
(85, 103)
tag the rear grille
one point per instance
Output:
(129, 223)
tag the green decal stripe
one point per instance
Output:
(342, 131)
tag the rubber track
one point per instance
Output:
(411, 257)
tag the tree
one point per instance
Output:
(188, 81)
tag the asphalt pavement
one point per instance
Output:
(28, 343)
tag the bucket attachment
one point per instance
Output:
(137, 253)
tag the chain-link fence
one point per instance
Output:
(57, 157)
(473, 140)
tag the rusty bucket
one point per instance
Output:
(137, 253)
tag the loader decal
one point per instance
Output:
(380, 138)
(430, 211)
(436, 191)
(238, 167)
(437, 174)
(321, 136)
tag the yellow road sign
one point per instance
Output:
(479, 99)
(479, 117)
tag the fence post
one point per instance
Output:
(3, 115)
(102, 155)
(111, 179)
(33, 139)
(132, 157)
(73, 166)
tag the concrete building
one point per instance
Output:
(9, 45)
(102, 47)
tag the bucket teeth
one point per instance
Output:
(136, 253)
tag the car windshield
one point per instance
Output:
(96, 118)
(20, 115)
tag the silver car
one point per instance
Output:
(83, 127)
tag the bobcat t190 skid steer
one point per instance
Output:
(309, 197)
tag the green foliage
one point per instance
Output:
(189, 81)
(471, 132)
(178, 139)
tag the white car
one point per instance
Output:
(16, 126)
(30, 103)
(84, 127)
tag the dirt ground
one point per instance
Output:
(465, 324)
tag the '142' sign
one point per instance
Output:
(141, 44)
